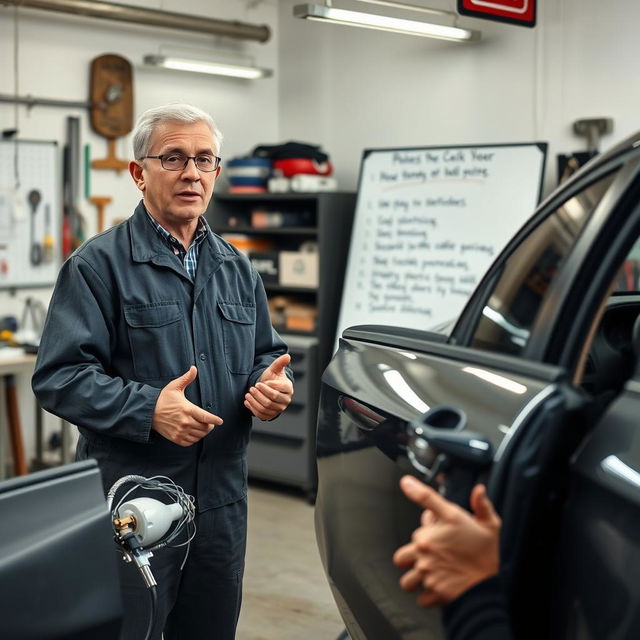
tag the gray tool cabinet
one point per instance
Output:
(299, 243)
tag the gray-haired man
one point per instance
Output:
(159, 347)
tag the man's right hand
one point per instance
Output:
(177, 419)
(453, 549)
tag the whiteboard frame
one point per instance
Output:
(43, 275)
(542, 146)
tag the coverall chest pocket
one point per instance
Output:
(158, 340)
(239, 335)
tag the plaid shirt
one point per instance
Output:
(188, 257)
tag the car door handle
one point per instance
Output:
(421, 453)
(437, 443)
(363, 417)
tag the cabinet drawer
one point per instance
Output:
(299, 364)
(282, 460)
(293, 423)
(300, 387)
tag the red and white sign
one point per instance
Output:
(522, 12)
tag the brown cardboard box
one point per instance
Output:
(301, 317)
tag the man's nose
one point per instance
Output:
(191, 172)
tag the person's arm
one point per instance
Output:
(271, 381)
(72, 379)
(480, 613)
(454, 558)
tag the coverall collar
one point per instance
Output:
(147, 246)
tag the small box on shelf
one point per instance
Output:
(248, 244)
(266, 264)
(267, 219)
(301, 317)
(298, 268)
(289, 314)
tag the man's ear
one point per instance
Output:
(135, 169)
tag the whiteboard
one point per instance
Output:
(30, 228)
(428, 224)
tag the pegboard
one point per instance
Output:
(30, 213)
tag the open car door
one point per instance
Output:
(384, 427)
(504, 400)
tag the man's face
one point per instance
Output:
(176, 197)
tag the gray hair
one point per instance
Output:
(150, 119)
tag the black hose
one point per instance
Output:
(153, 594)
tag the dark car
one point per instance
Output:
(536, 391)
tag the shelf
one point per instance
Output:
(290, 195)
(311, 231)
(271, 286)
(283, 331)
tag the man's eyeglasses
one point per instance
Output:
(178, 161)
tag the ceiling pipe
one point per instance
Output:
(149, 17)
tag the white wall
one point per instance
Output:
(54, 55)
(350, 89)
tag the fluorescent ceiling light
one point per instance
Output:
(202, 66)
(325, 13)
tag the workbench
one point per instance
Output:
(18, 364)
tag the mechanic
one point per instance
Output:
(158, 345)
(454, 556)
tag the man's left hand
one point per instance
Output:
(272, 393)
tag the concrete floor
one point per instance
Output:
(286, 596)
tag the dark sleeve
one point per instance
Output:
(479, 614)
(71, 377)
(269, 345)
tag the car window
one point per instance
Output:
(511, 309)
(628, 279)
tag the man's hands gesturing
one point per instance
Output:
(177, 419)
(272, 393)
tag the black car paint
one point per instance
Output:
(364, 521)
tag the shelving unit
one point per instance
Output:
(284, 450)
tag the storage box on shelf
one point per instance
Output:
(299, 245)
(298, 268)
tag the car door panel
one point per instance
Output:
(565, 482)
(370, 394)
(599, 560)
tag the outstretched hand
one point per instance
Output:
(453, 549)
(272, 393)
(177, 419)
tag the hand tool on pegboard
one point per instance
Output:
(100, 202)
(112, 105)
(35, 251)
(73, 228)
(48, 242)
(15, 428)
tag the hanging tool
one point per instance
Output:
(592, 129)
(31, 324)
(15, 428)
(112, 89)
(35, 253)
(66, 216)
(47, 244)
(73, 234)
(100, 202)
